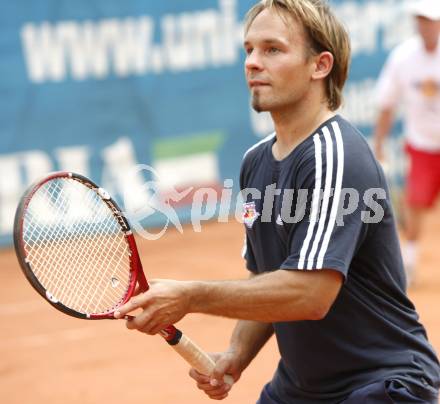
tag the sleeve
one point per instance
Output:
(324, 238)
(246, 252)
(248, 255)
(388, 88)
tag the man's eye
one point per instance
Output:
(273, 50)
(248, 51)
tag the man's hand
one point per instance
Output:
(214, 386)
(165, 303)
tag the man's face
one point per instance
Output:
(429, 30)
(277, 69)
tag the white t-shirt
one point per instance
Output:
(412, 76)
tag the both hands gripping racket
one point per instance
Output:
(77, 250)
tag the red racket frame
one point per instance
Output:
(137, 275)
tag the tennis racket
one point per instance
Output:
(77, 250)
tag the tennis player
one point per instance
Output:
(411, 78)
(331, 287)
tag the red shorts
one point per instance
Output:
(423, 181)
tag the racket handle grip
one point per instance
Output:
(197, 358)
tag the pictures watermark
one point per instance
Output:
(284, 206)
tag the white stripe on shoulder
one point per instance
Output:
(315, 201)
(325, 197)
(266, 139)
(337, 193)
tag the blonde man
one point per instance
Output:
(329, 282)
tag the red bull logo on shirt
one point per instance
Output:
(250, 214)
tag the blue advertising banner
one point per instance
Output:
(126, 91)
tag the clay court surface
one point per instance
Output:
(50, 358)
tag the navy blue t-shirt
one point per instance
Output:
(326, 205)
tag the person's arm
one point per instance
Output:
(282, 295)
(383, 128)
(247, 340)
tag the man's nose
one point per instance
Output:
(253, 61)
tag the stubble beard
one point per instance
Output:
(256, 103)
(260, 105)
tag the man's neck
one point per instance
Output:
(293, 126)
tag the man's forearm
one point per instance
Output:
(270, 297)
(248, 338)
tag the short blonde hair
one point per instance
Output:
(324, 32)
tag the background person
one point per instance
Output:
(411, 78)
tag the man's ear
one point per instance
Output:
(323, 65)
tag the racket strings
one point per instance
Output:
(92, 254)
(76, 247)
(80, 264)
(95, 255)
(57, 254)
